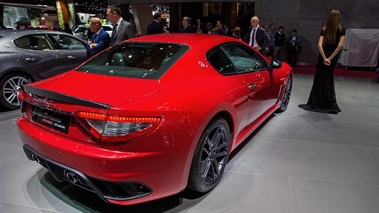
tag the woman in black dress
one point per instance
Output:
(323, 97)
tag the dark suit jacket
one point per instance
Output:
(154, 28)
(102, 40)
(228, 32)
(187, 29)
(202, 28)
(125, 31)
(261, 36)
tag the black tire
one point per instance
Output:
(286, 96)
(211, 156)
(9, 87)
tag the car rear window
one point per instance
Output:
(136, 60)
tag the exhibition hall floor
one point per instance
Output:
(297, 162)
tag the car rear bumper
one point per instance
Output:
(118, 191)
(117, 176)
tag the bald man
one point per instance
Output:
(257, 37)
(100, 39)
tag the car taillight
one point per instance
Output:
(113, 128)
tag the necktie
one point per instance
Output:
(114, 34)
(252, 37)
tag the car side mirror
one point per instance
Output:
(275, 63)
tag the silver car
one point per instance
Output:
(31, 55)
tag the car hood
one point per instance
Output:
(109, 90)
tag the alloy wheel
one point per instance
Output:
(11, 88)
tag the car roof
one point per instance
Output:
(186, 38)
(21, 32)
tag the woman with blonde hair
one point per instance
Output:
(323, 97)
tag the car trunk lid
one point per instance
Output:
(106, 90)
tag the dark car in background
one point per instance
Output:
(31, 55)
(21, 21)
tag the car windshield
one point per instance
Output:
(136, 60)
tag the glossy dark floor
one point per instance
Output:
(298, 162)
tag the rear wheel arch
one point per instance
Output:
(228, 117)
(210, 158)
(17, 71)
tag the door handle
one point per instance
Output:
(252, 86)
(30, 59)
(71, 57)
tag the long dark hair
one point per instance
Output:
(333, 25)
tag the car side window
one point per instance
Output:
(243, 59)
(66, 42)
(33, 42)
(217, 59)
(23, 42)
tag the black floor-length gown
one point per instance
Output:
(323, 96)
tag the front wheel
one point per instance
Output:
(286, 96)
(9, 89)
(211, 156)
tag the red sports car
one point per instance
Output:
(151, 116)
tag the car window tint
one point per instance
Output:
(217, 59)
(66, 42)
(23, 42)
(34, 42)
(243, 59)
(139, 60)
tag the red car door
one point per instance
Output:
(255, 75)
(258, 85)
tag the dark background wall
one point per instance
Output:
(309, 16)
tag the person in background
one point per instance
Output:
(155, 27)
(271, 44)
(228, 32)
(186, 25)
(165, 25)
(67, 28)
(280, 39)
(122, 30)
(100, 39)
(199, 27)
(256, 36)
(219, 28)
(322, 97)
(293, 44)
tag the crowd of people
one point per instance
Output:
(266, 40)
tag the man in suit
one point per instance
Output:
(155, 27)
(186, 25)
(219, 30)
(257, 37)
(199, 27)
(100, 39)
(122, 30)
(228, 32)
